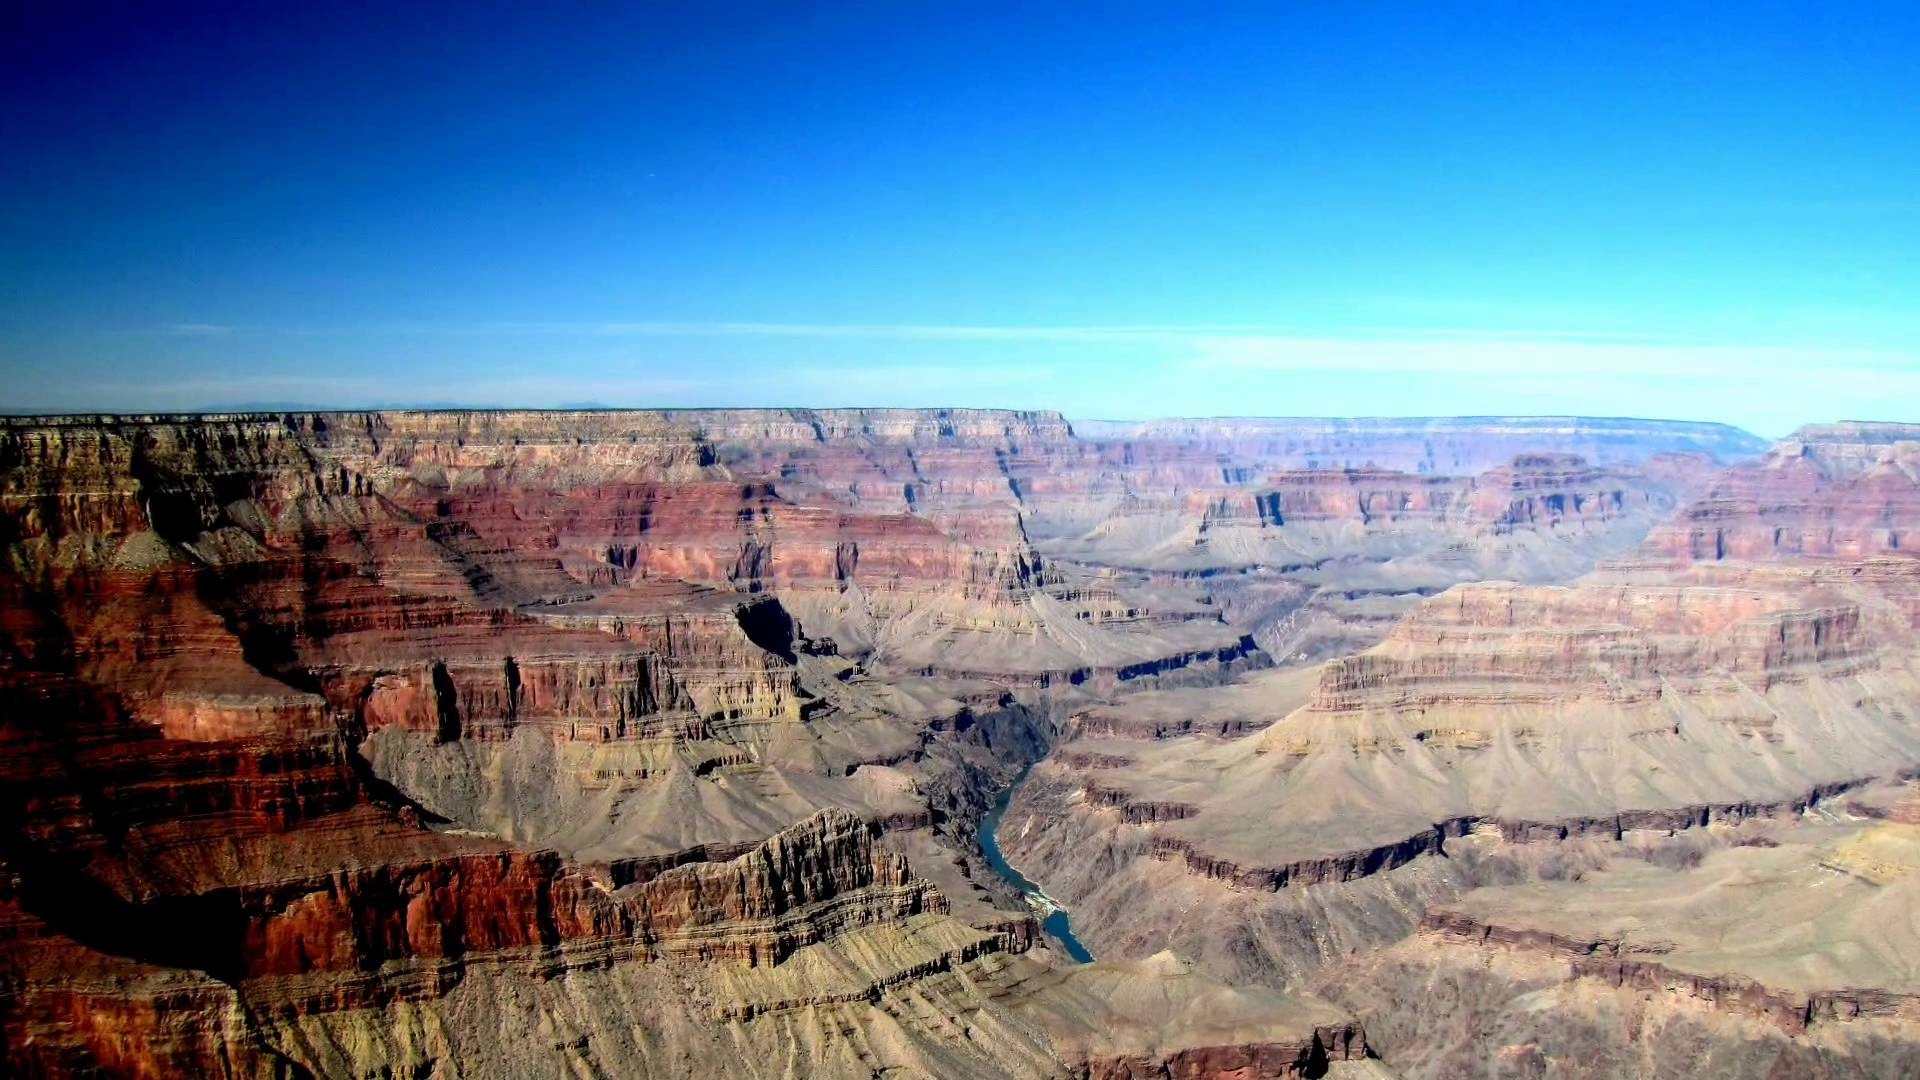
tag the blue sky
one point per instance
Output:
(1688, 210)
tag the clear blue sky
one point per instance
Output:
(1692, 210)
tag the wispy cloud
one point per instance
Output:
(1491, 356)
(867, 331)
(801, 384)
(1213, 337)
(1135, 333)
(1119, 369)
(195, 329)
(1517, 352)
(534, 389)
(1224, 338)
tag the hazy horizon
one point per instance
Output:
(268, 408)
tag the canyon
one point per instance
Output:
(630, 742)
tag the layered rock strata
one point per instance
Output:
(1750, 666)
(351, 744)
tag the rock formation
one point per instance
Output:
(649, 742)
(1750, 665)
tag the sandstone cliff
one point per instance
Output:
(349, 744)
(1690, 696)
(371, 744)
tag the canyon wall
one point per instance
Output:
(1750, 668)
(390, 743)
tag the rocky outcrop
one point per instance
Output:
(1117, 724)
(1532, 490)
(734, 657)
(1252, 1061)
(1345, 866)
(392, 743)
(1847, 491)
(1615, 964)
(1211, 663)
(398, 922)
(1132, 810)
(1363, 862)
(819, 877)
(1502, 645)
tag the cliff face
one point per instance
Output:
(509, 743)
(1320, 562)
(320, 724)
(1607, 962)
(1533, 489)
(1502, 645)
(1672, 655)
(1539, 712)
(1543, 491)
(1512, 762)
(854, 518)
(1846, 491)
(382, 916)
(1769, 958)
(816, 878)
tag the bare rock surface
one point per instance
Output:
(1627, 767)
(655, 743)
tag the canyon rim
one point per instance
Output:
(620, 742)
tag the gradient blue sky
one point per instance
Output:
(1688, 210)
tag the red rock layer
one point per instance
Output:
(1255, 1061)
(1844, 491)
(1531, 491)
(200, 620)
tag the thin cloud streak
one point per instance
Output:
(1138, 370)
(196, 329)
(1245, 340)
(1136, 333)
(878, 331)
(1213, 339)
(1503, 356)
(816, 384)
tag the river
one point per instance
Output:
(1054, 917)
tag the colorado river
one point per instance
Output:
(1054, 917)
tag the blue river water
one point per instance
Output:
(1055, 922)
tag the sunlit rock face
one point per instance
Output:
(508, 743)
(1533, 798)
(1829, 491)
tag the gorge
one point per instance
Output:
(1055, 920)
(494, 744)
